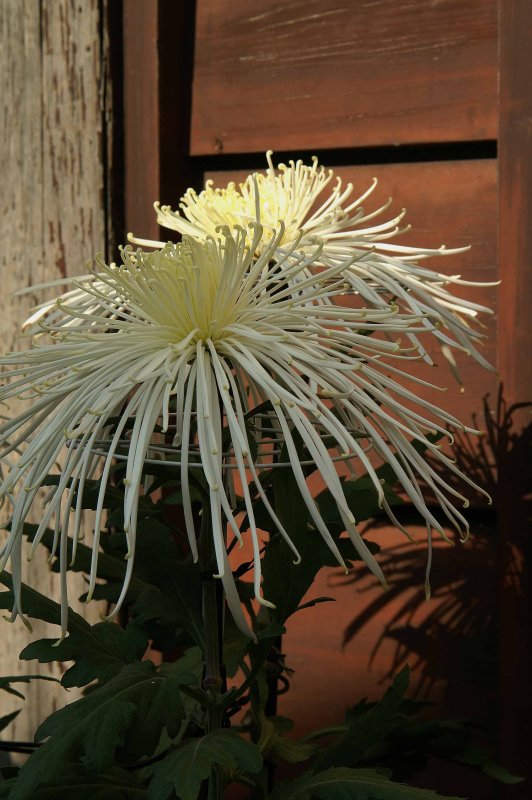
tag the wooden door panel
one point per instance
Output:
(316, 74)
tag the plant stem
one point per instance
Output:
(212, 612)
(212, 681)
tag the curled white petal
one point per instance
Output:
(188, 340)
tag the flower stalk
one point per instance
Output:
(213, 603)
(212, 611)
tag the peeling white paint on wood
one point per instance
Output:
(52, 221)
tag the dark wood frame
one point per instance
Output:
(515, 367)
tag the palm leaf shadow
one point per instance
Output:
(454, 638)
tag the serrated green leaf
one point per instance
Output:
(285, 583)
(184, 770)
(7, 776)
(350, 784)
(174, 593)
(288, 500)
(110, 567)
(99, 651)
(367, 730)
(34, 603)
(452, 740)
(164, 587)
(78, 783)
(383, 734)
(271, 631)
(277, 746)
(479, 758)
(94, 727)
(112, 497)
(187, 670)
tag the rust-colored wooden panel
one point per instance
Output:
(157, 89)
(141, 112)
(311, 74)
(454, 203)
(346, 650)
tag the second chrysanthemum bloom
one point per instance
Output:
(316, 207)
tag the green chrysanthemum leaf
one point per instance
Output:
(79, 783)
(140, 698)
(184, 770)
(351, 784)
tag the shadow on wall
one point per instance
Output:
(452, 641)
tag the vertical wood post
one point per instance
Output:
(158, 53)
(515, 366)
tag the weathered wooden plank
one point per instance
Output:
(454, 203)
(53, 212)
(515, 364)
(311, 74)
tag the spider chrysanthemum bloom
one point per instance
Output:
(186, 341)
(310, 200)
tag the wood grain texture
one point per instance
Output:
(141, 111)
(312, 74)
(455, 203)
(53, 214)
(157, 96)
(515, 364)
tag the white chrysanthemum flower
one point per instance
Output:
(187, 341)
(308, 200)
